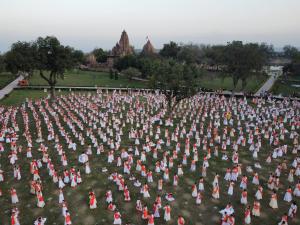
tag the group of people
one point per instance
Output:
(144, 147)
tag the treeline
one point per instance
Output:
(175, 67)
(236, 59)
(293, 67)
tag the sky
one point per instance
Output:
(86, 24)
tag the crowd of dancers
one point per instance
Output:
(145, 147)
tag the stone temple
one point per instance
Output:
(122, 48)
(148, 49)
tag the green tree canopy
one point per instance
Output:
(21, 58)
(190, 54)
(78, 57)
(290, 51)
(243, 59)
(147, 66)
(131, 72)
(170, 50)
(53, 59)
(126, 62)
(213, 55)
(2, 63)
(175, 80)
(100, 54)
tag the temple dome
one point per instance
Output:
(148, 48)
(122, 48)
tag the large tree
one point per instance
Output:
(21, 58)
(147, 66)
(170, 50)
(290, 51)
(190, 53)
(175, 80)
(131, 72)
(213, 55)
(2, 63)
(100, 54)
(78, 57)
(52, 60)
(294, 66)
(126, 62)
(242, 60)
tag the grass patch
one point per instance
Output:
(285, 88)
(215, 81)
(6, 78)
(19, 96)
(89, 78)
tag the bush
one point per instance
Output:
(131, 72)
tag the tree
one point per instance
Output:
(100, 54)
(293, 67)
(78, 57)
(116, 75)
(170, 50)
(213, 55)
(53, 59)
(241, 60)
(131, 72)
(2, 63)
(111, 74)
(21, 58)
(190, 54)
(175, 80)
(147, 66)
(126, 62)
(290, 51)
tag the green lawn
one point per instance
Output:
(86, 78)
(285, 88)
(294, 77)
(215, 81)
(5, 79)
(19, 96)
(284, 85)
(89, 78)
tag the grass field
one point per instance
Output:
(89, 78)
(216, 81)
(19, 96)
(85, 78)
(5, 79)
(285, 88)
(208, 80)
(77, 198)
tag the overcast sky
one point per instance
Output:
(86, 24)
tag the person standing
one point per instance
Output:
(117, 218)
(248, 215)
(93, 200)
(167, 215)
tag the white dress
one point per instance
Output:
(61, 198)
(258, 195)
(230, 190)
(87, 169)
(288, 197)
(61, 184)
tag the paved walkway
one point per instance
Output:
(274, 73)
(267, 85)
(7, 89)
